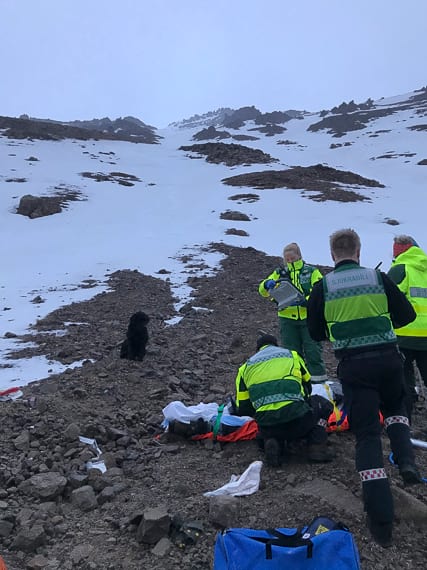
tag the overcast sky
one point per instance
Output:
(164, 60)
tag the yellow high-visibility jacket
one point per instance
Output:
(272, 386)
(302, 276)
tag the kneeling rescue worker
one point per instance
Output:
(274, 387)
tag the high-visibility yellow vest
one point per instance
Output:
(272, 379)
(356, 308)
(414, 286)
(302, 276)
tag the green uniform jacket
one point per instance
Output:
(409, 272)
(272, 386)
(302, 276)
(356, 308)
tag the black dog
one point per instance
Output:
(133, 348)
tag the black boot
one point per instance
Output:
(409, 474)
(380, 532)
(272, 452)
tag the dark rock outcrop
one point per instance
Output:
(38, 206)
(324, 180)
(98, 129)
(230, 154)
(234, 215)
(211, 133)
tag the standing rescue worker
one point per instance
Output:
(409, 272)
(273, 386)
(357, 308)
(293, 320)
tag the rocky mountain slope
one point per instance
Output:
(56, 514)
(122, 129)
(338, 121)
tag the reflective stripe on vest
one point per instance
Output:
(276, 398)
(269, 353)
(273, 378)
(356, 308)
(418, 292)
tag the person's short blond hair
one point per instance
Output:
(344, 243)
(292, 248)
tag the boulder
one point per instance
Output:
(39, 206)
(45, 486)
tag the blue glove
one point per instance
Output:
(270, 284)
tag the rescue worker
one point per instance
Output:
(273, 386)
(409, 272)
(357, 308)
(293, 320)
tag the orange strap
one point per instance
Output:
(339, 421)
(248, 430)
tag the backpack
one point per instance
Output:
(322, 545)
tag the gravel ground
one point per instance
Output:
(120, 403)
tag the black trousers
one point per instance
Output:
(372, 382)
(310, 426)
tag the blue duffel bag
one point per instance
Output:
(322, 545)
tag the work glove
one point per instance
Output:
(270, 284)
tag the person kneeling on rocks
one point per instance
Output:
(274, 387)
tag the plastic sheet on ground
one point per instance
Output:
(178, 411)
(245, 484)
(96, 463)
(329, 390)
(10, 394)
